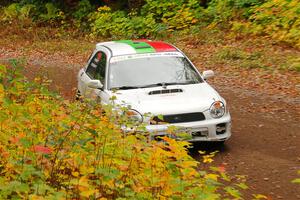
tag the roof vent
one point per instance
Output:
(154, 92)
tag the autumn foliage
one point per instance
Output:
(276, 19)
(51, 148)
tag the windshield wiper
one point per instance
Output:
(166, 84)
(125, 88)
(153, 85)
(181, 83)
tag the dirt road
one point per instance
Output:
(265, 145)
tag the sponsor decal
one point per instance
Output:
(147, 55)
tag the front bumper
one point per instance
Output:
(207, 130)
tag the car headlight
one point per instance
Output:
(217, 109)
(134, 115)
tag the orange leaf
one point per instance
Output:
(42, 149)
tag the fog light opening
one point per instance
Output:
(221, 128)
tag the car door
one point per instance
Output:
(95, 70)
(82, 78)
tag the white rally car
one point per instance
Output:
(156, 77)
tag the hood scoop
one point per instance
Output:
(166, 91)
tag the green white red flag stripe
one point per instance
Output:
(147, 46)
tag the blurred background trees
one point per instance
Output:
(279, 19)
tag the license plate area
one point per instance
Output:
(198, 132)
(193, 132)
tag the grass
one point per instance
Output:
(61, 45)
(257, 59)
(206, 47)
(293, 63)
(231, 55)
(44, 39)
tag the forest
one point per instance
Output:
(278, 19)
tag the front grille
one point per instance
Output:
(165, 91)
(178, 118)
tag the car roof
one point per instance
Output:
(127, 47)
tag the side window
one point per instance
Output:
(96, 68)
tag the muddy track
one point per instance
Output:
(265, 145)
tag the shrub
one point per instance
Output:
(223, 11)
(81, 15)
(20, 12)
(155, 17)
(278, 19)
(53, 148)
(176, 15)
(121, 25)
(53, 14)
(83, 9)
(15, 11)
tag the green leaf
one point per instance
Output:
(233, 192)
(161, 117)
(92, 131)
(25, 142)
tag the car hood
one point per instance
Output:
(193, 98)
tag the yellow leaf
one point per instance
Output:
(76, 174)
(86, 170)
(212, 176)
(260, 196)
(187, 164)
(87, 193)
(1, 92)
(83, 183)
(207, 159)
(35, 197)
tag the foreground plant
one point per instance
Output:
(51, 148)
(297, 180)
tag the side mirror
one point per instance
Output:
(208, 74)
(95, 84)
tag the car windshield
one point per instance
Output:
(151, 71)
